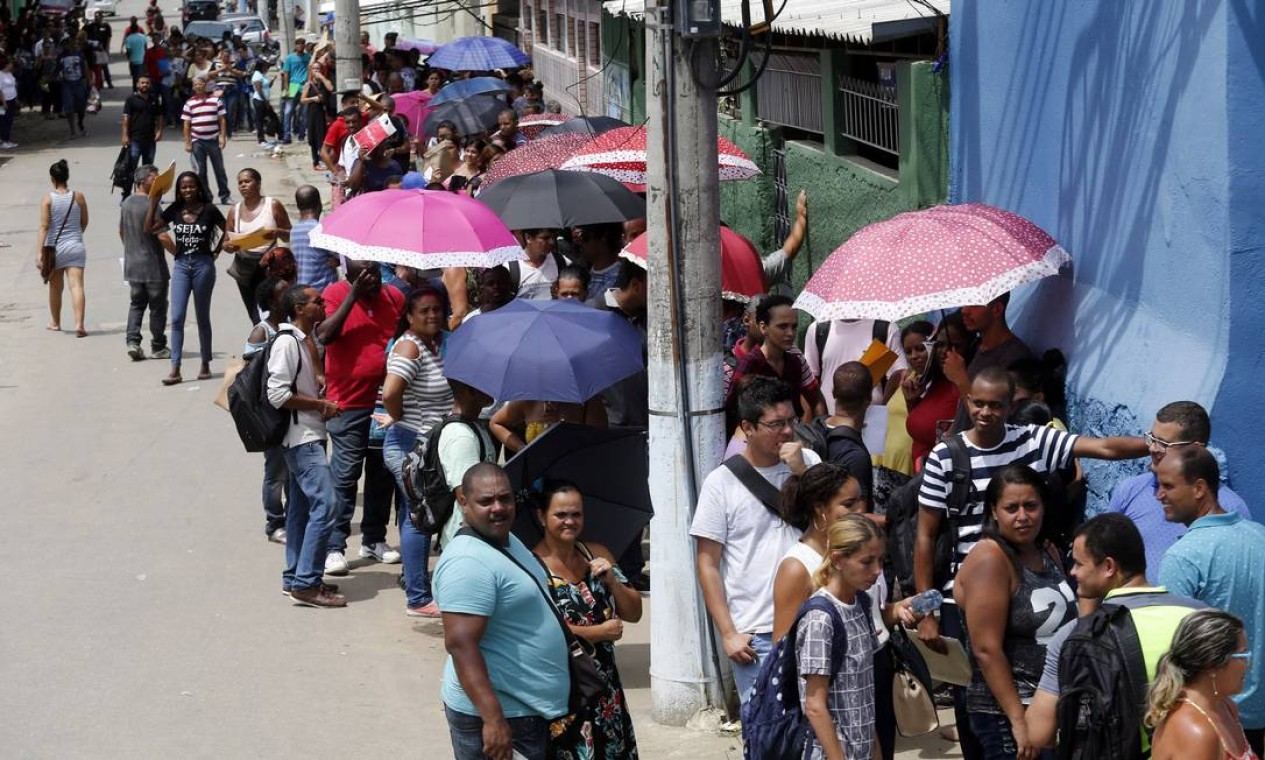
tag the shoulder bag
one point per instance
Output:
(48, 253)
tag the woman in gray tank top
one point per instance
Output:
(63, 218)
(1014, 596)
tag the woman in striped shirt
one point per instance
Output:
(417, 397)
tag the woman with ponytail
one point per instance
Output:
(1191, 705)
(840, 704)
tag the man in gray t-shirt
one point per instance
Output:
(145, 269)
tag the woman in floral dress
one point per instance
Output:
(596, 600)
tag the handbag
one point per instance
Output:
(48, 253)
(912, 704)
(587, 684)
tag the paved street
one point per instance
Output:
(144, 617)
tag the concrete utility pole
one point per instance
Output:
(285, 21)
(347, 45)
(686, 418)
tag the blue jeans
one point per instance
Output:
(414, 545)
(530, 735)
(350, 454)
(191, 274)
(745, 675)
(276, 475)
(951, 625)
(140, 154)
(202, 150)
(307, 519)
(232, 107)
(293, 119)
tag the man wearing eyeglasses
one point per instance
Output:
(1177, 425)
(1217, 561)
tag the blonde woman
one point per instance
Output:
(840, 705)
(1192, 699)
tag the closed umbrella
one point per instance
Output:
(477, 54)
(542, 154)
(741, 270)
(471, 115)
(464, 88)
(609, 466)
(938, 258)
(544, 351)
(588, 125)
(621, 153)
(425, 229)
(554, 199)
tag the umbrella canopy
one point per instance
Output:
(589, 125)
(414, 107)
(425, 47)
(621, 153)
(464, 88)
(741, 270)
(534, 123)
(544, 351)
(609, 466)
(939, 258)
(425, 229)
(542, 154)
(477, 54)
(554, 199)
(471, 115)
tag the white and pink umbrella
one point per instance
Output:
(621, 153)
(426, 229)
(939, 258)
(545, 153)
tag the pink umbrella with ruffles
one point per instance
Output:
(545, 153)
(621, 153)
(425, 229)
(939, 258)
(741, 270)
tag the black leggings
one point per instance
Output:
(884, 711)
(315, 130)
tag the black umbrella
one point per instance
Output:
(590, 125)
(609, 466)
(472, 115)
(553, 199)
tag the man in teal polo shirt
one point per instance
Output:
(506, 676)
(1109, 564)
(1219, 561)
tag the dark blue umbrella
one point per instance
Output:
(588, 125)
(477, 54)
(609, 466)
(464, 88)
(544, 351)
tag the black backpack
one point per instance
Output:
(122, 174)
(516, 270)
(1102, 685)
(430, 500)
(817, 436)
(902, 519)
(260, 425)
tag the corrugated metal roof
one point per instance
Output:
(844, 19)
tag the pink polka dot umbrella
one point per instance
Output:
(741, 271)
(621, 153)
(536, 156)
(534, 123)
(939, 258)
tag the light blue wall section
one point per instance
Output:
(1134, 132)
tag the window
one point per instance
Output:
(595, 44)
(559, 41)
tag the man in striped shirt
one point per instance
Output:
(991, 444)
(204, 129)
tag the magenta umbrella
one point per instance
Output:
(545, 153)
(413, 107)
(425, 229)
(939, 258)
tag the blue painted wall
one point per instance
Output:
(1134, 132)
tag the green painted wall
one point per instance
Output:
(747, 206)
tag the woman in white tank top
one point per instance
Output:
(256, 212)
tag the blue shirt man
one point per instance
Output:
(507, 665)
(1218, 561)
(1181, 423)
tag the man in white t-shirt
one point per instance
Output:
(739, 538)
(532, 276)
(463, 446)
(828, 345)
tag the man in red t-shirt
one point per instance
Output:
(360, 318)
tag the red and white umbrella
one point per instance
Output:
(534, 123)
(939, 258)
(545, 153)
(621, 153)
(426, 229)
(741, 270)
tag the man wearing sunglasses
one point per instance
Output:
(1177, 425)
